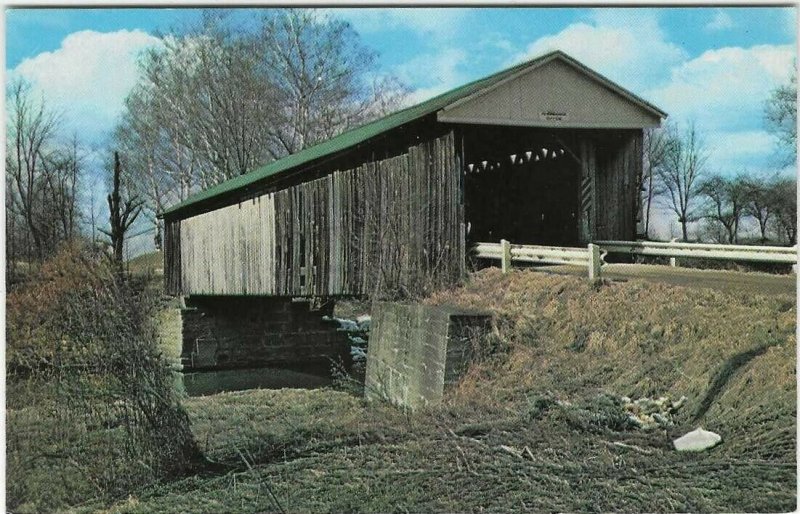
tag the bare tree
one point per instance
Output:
(92, 214)
(784, 198)
(160, 169)
(685, 156)
(122, 214)
(654, 147)
(780, 113)
(712, 231)
(759, 202)
(31, 129)
(218, 100)
(42, 178)
(318, 69)
(208, 91)
(62, 173)
(726, 202)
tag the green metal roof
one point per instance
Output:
(365, 132)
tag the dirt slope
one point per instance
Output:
(733, 356)
(534, 427)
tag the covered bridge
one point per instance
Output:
(546, 152)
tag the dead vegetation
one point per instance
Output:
(732, 356)
(538, 426)
(91, 411)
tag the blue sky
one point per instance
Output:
(714, 66)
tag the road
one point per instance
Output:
(722, 280)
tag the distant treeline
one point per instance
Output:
(725, 207)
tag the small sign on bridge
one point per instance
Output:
(553, 115)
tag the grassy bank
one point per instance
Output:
(91, 412)
(538, 425)
(152, 262)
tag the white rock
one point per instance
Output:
(347, 325)
(697, 441)
(357, 353)
(364, 322)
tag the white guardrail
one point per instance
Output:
(506, 252)
(777, 254)
(592, 255)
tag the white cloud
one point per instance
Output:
(742, 151)
(430, 22)
(627, 46)
(437, 73)
(720, 21)
(725, 89)
(88, 77)
(495, 43)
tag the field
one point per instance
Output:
(536, 426)
(152, 262)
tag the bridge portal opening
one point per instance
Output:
(520, 184)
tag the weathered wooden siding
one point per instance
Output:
(172, 257)
(225, 251)
(390, 224)
(616, 187)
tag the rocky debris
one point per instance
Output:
(360, 324)
(358, 354)
(608, 411)
(357, 331)
(697, 441)
(364, 322)
(346, 325)
(647, 413)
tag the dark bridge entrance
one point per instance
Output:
(521, 185)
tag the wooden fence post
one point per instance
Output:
(505, 259)
(594, 262)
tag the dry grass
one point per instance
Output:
(639, 339)
(91, 411)
(152, 262)
(277, 424)
(501, 443)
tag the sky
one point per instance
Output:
(711, 66)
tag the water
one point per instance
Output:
(202, 383)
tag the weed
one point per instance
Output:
(501, 441)
(92, 410)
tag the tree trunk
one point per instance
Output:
(121, 217)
